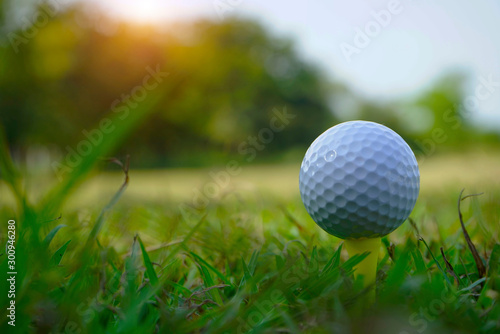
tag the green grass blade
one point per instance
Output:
(179, 246)
(101, 218)
(419, 261)
(437, 263)
(8, 171)
(131, 269)
(473, 285)
(212, 268)
(57, 257)
(354, 260)
(181, 289)
(209, 282)
(280, 262)
(247, 276)
(164, 278)
(252, 264)
(494, 261)
(333, 262)
(147, 263)
(397, 274)
(51, 234)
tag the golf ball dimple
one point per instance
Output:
(359, 179)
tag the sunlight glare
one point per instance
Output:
(139, 11)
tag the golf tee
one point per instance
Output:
(368, 267)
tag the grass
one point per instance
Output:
(251, 264)
(240, 264)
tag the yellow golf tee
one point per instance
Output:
(368, 267)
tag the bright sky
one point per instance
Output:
(422, 40)
(414, 46)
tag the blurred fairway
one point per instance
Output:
(475, 170)
(478, 170)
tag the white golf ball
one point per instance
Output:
(359, 179)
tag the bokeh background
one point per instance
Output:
(215, 103)
(225, 68)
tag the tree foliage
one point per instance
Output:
(225, 83)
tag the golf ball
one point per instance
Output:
(359, 179)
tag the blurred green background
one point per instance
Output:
(215, 102)
(68, 66)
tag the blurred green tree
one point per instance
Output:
(223, 83)
(226, 81)
(437, 119)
